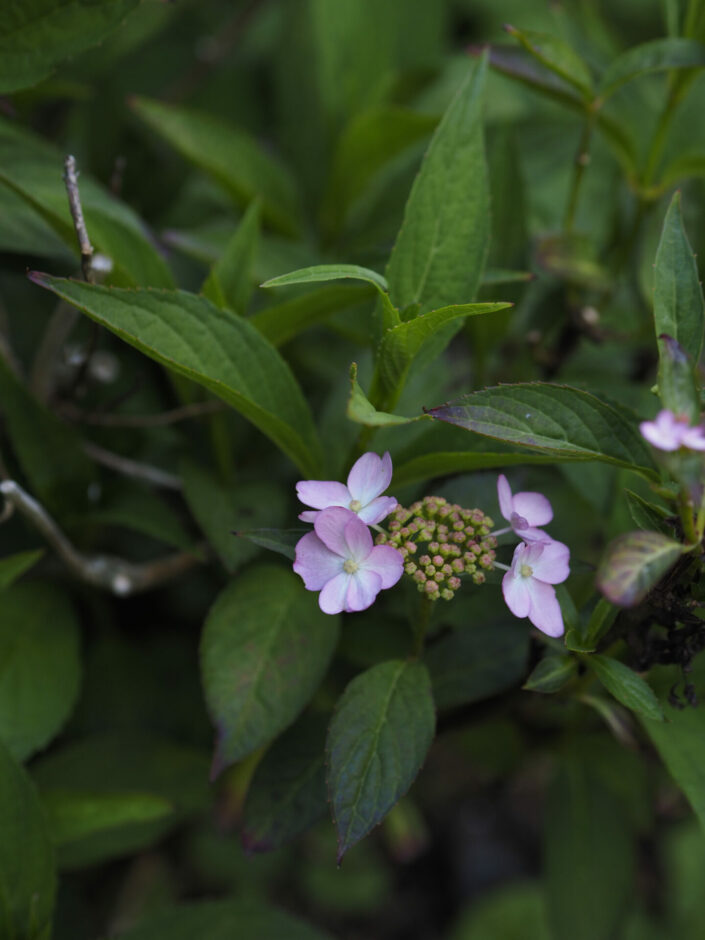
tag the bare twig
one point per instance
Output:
(104, 571)
(131, 468)
(111, 420)
(71, 180)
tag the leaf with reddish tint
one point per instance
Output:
(633, 564)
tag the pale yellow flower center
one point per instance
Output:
(350, 566)
(526, 571)
(355, 505)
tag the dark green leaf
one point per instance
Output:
(230, 281)
(34, 170)
(282, 541)
(585, 639)
(679, 309)
(588, 843)
(35, 35)
(74, 815)
(287, 793)
(626, 686)
(27, 867)
(227, 355)
(557, 56)
(141, 510)
(24, 231)
(448, 463)
(381, 731)
(14, 566)
(515, 912)
(440, 251)
(648, 516)
(266, 646)
(222, 920)
(229, 155)
(568, 423)
(40, 666)
(362, 411)
(658, 55)
(633, 564)
(281, 322)
(221, 509)
(551, 674)
(477, 662)
(677, 387)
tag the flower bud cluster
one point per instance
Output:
(440, 541)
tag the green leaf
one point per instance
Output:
(679, 309)
(440, 251)
(585, 640)
(34, 170)
(477, 661)
(381, 731)
(557, 56)
(141, 510)
(14, 566)
(568, 423)
(287, 793)
(448, 463)
(514, 912)
(281, 322)
(495, 277)
(229, 155)
(362, 411)
(27, 867)
(35, 35)
(221, 920)
(401, 344)
(113, 764)
(551, 674)
(281, 541)
(40, 665)
(626, 686)
(633, 564)
(677, 385)
(229, 283)
(266, 646)
(227, 355)
(23, 231)
(74, 815)
(589, 855)
(219, 509)
(648, 516)
(61, 482)
(659, 55)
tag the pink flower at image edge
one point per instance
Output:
(369, 477)
(340, 560)
(524, 511)
(670, 432)
(528, 585)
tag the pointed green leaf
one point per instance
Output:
(679, 309)
(13, 567)
(287, 793)
(27, 865)
(626, 686)
(557, 56)
(281, 541)
(40, 665)
(229, 283)
(633, 564)
(227, 355)
(449, 463)
(658, 55)
(568, 423)
(281, 322)
(648, 516)
(440, 251)
(362, 411)
(677, 386)
(76, 814)
(585, 639)
(551, 674)
(381, 731)
(36, 35)
(266, 646)
(229, 155)
(34, 170)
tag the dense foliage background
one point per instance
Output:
(164, 779)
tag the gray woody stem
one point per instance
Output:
(104, 571)
(71, 180)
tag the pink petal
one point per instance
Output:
(363, 588)
(377, 510)
(309, 515)
(322, 493)
(534, 507)
(551, 565)
(664, 439)
(329, 526)
(331, 600)
(358, 539)
(528, 535)
(369, 477)
(545, 612)
(694, 438)
(387, 563)
(504, 494)
(516, 594)
(315, 563)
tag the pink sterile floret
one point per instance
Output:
(669, 431)
(369, 477)
(340, 560)
(527, 586)
(524, 511)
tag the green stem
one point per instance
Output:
(421, 625)
(685, 506)
(582, 159)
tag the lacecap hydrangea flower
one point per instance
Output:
(670, 432)
(528, 585)
(369, 477)
(524, 511)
